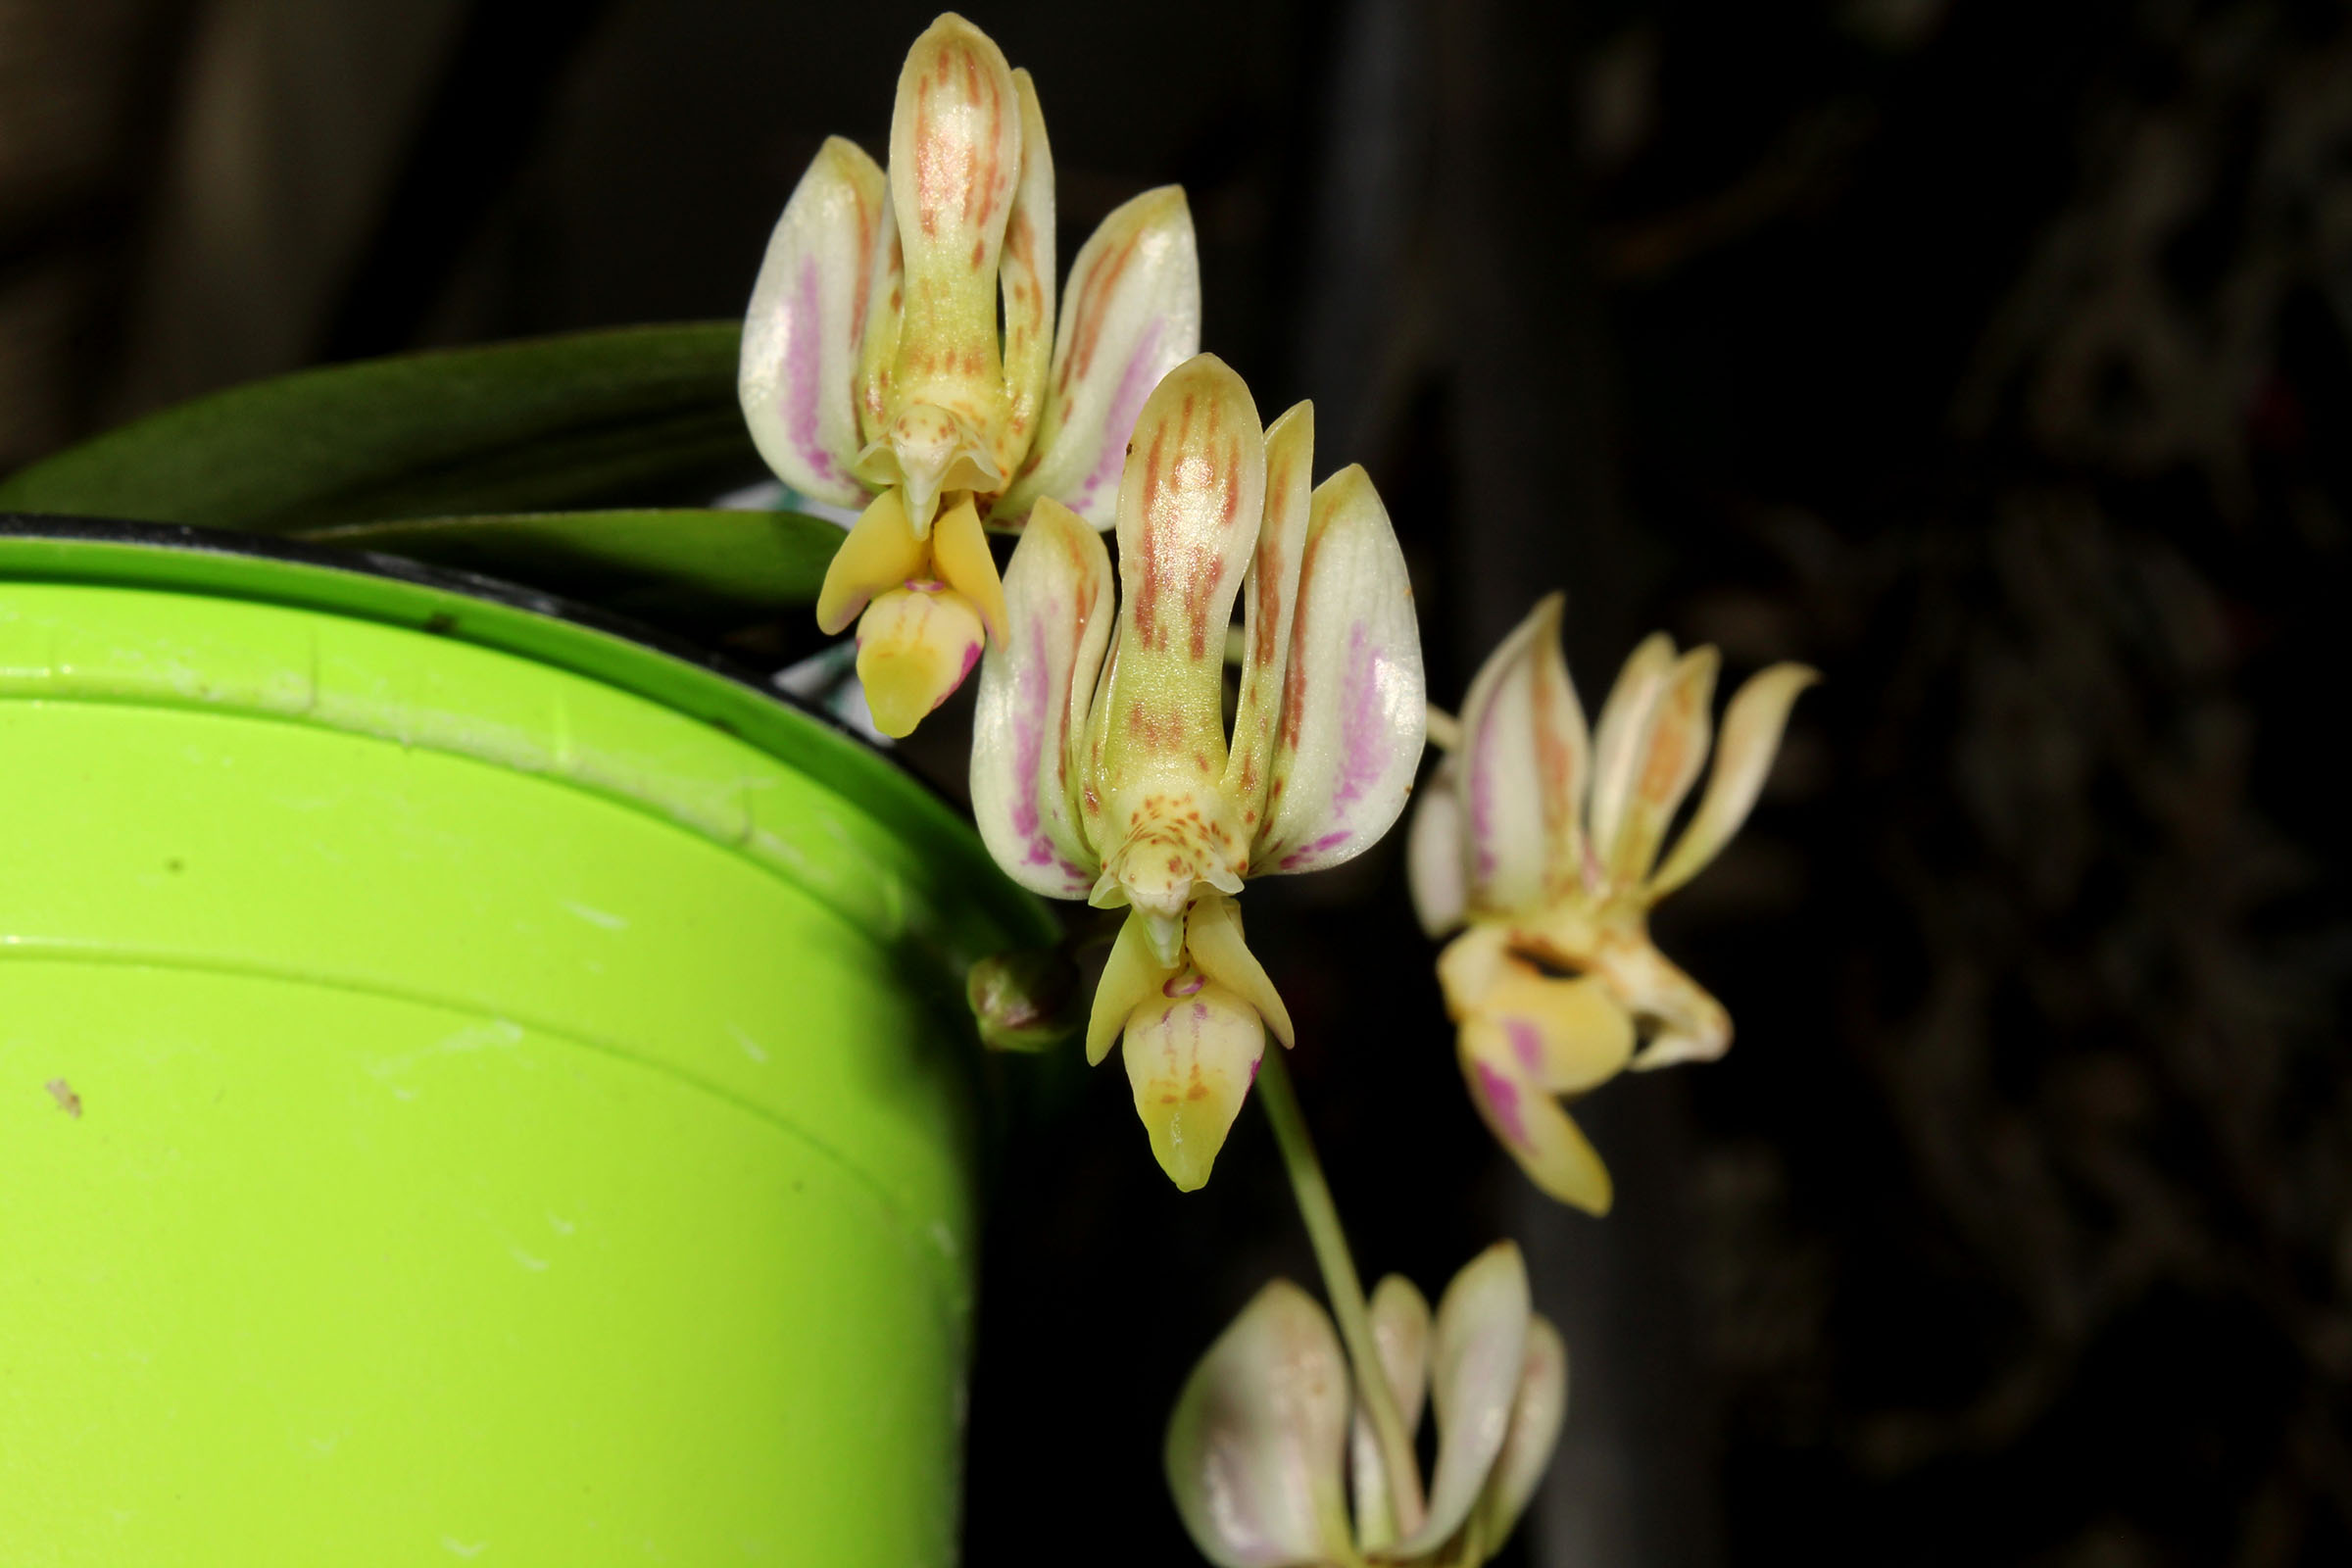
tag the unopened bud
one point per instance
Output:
(1024, 1001)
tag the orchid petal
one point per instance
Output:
(1192, 1054)
(914, 646)
(959, 552)
(1027, 273)
(880, 552)
(1751, 733)
(1355, 705)
(1401, 1336)
(1535, 1418)
(1212, 934)
(1254, 1444)
(1528, 1123)
(799, 362)
(1131, 316)
(1672, 749)
(1131, 976)
(878, 340)
(1524, 764)
(1269, 607)
(1565, 1036)
(1433, 854)
(1477, 1347)
(1620, 737)
(1034, 684)
(1189, 510)
(1686, 1024)
(954, 165)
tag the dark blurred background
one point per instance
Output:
(1995, 357)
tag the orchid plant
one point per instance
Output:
(903, 354)
(875, 363)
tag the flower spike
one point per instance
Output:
(902, 342)
(1543, 839)
(1101, 764)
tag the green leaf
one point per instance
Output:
(692, 570)
(642, 416)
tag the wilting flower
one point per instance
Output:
(1115, 781)
(875, 360)
(1546, 841)
(1261, 1458)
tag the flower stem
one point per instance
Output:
(1339, 1283)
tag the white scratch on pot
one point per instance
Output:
(465, 1548)
(558, 1224)
(751, 1047)
(537, 1266)
(600, 918)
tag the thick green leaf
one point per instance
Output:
(643, 416)
(688, 569)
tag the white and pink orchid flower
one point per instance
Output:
(1544, 840)
(1113, 780)
(1263, 1450)
(877, 363)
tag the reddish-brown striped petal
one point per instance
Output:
(1523, 766)
(1026, 269)
(1270, 609)
(1189, 510)
(1751, 735)
(1671, 747)
(1131, 316)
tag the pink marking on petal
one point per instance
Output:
(1118, 420)
(1527, 1044)
(1365, 727)
(1307, 852)
(1502, 1101)
(1177, 984)
(804, 369)
(971, 656)
(1199, 1013)
(927, 585)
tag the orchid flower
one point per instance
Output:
(1263, 1451)
(1115, 781)
(875, 363)
(1546, 840)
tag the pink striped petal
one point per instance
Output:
(1254, 1444)
(1523, 763)
(1132, 314)
(1034, 687)
(1355, 705)
(799, 362)
(1270, 609)
(1528, 1123)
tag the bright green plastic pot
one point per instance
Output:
(472, 1086)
